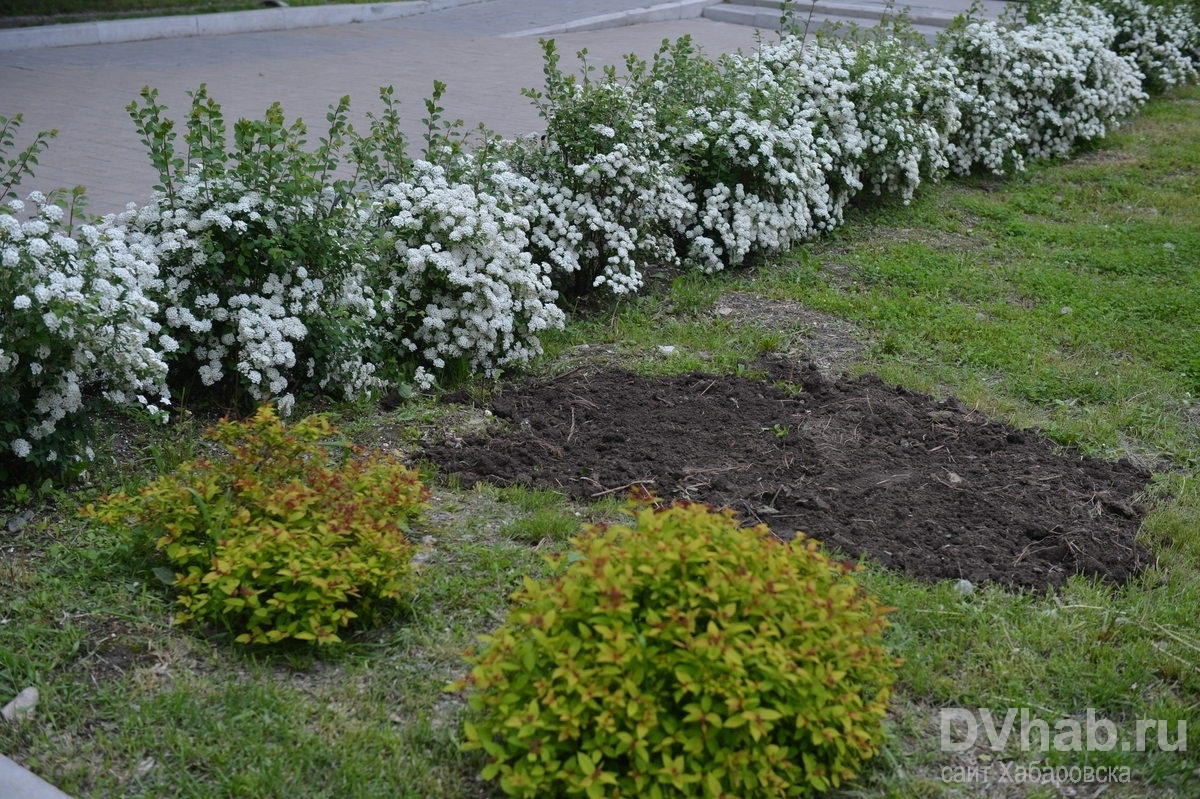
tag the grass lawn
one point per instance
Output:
(16, 13)
(1066, 298)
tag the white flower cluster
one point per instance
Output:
(602, 200)
(760, 183)
(908, 106)
(807, 126)
(243, 299)
(753, 156)
(77, 319)
(459, 279)
(884, 109)
(1164, 42)
(1037, 90)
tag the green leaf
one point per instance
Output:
(165, 576)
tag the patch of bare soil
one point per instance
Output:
(919, 485)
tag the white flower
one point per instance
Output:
(285, 404)
(21, 302)
(21, 448)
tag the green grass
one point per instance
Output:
(673, 330)
(40, 12)
(962, 292)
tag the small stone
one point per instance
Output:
(667, 349)
(22, 706)
(815, 502)
(17, 522)
(426, 551)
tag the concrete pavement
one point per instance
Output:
(17, 783)
(82, 91)
(485, 51)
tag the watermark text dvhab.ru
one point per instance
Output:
(963, 728)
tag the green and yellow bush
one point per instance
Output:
(683, 655)
(294, 535)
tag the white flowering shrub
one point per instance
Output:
(605, 199)
(238, 294)
(883, 105)
(262, 256)
(1163, 41)
(758, 172)
(781, 140)
(76, 327)
(821, 73)
(1037, 90)
(906, 100)
(458, 284)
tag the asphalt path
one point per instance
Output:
(83, 91)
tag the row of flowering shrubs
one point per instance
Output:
(262, 266)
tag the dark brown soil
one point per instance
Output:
(920, 485)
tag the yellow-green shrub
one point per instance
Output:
(683, 656)
(291, 536)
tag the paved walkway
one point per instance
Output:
(485, 51)
(82, 91)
